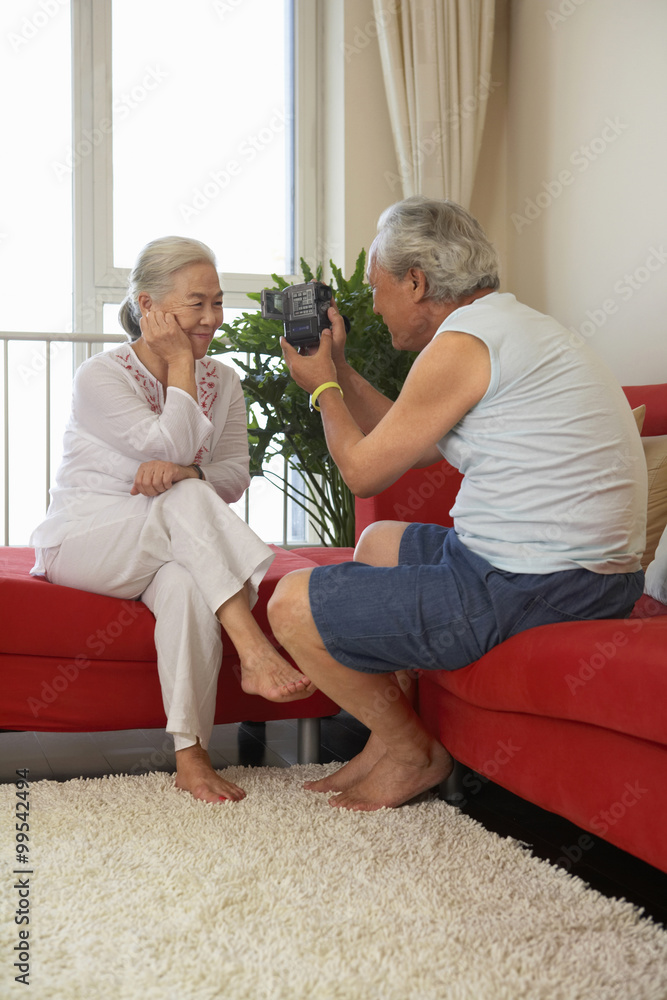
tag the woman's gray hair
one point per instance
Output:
(439, 238)
(154, 271)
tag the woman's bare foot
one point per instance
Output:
(394, 780)
(353, 771)
(265, 672)
(195, 774)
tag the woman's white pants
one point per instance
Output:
(185, 553)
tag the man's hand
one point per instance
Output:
(157, 477)
(311, 371)
(339, 337)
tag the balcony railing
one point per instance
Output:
(271, 510)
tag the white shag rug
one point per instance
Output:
(139, 891)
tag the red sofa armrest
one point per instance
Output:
(426, 495)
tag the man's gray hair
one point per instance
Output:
(439, 238)
(154, 271)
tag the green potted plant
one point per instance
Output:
(280, 419)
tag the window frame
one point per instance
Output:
(96, 281)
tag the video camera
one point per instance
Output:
(302, 309)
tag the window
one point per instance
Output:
(204, 153)
(197, 122)
(36, 208)
(128, 119)
(125, 120)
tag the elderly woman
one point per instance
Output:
(155, 450)
(549, 522)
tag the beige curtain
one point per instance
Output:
(436, 61)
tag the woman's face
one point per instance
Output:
(195, 299)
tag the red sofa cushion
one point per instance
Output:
(43, 619)
(610, 673)
(55, 639)
(325, 555)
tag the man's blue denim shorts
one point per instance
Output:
(443, 606)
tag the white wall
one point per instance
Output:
(489, 197)
(586, 192)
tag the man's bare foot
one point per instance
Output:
(195, 774)
(353, 771)
(392, 781)
(265, 672)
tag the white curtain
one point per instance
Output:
(436, 61)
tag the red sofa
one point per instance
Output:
(572, 716)
(72, 661)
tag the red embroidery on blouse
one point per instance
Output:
(207, 387)
(148, 384)
(207, 393)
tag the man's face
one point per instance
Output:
(393, 299)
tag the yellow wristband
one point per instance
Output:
(321, 388)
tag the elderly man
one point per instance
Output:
(549, 522)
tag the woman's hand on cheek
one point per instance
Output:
(162, 333)
(311, 371)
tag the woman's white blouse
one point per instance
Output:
(121, 418)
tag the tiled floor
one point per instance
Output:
(60, 756)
